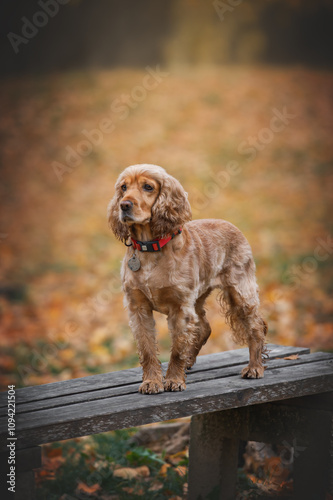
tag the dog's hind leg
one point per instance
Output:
(240, 303)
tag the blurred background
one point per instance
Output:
(233, 98)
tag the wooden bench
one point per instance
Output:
(291, 404)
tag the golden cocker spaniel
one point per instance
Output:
(171, 265)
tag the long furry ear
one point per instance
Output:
(171, 209)
(119, 229)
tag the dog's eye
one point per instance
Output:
(123, 187)
(148, 187)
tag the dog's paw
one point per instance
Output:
(253, 372)
(174, 385)
(151, 387)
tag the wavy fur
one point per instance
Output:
(176, 281)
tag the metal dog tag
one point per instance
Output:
(134, 263)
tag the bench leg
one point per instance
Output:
(303, 425)
(213, 460)
(26, 460)
(25, 486)
(313, 468)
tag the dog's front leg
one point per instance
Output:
(183, 325)
(142, 324)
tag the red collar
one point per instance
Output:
(153, 246)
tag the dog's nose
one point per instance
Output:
(126, 205)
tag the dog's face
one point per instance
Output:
(146, 194)
(139, 192)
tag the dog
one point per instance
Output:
(171, 265)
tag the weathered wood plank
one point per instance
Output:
(316, 402)
(202, 397)
(273, 422)
(133, 375)
(230, 358)
(193, 377)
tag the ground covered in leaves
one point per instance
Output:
(250, 145)
(110, 467)
(152, 463)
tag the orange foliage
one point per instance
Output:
(60, 294)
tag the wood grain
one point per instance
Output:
(100, 403)
(90, 417)
(122, 390)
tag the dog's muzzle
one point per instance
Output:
(126, 210)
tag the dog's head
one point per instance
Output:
(146, 194)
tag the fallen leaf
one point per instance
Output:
(53, 452)
(84, 488)
(131, 490)
(53, 463)
(143, 471)
(276, 472)
(177, 457)
(164, 469)
(181, 470)
(130, 473)
(46, 474)
(125, 473)
(156, 486)
(293, 356)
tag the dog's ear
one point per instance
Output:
(119, 229)
(171, 209)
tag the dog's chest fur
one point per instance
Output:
(156, 282)
(165, 283)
